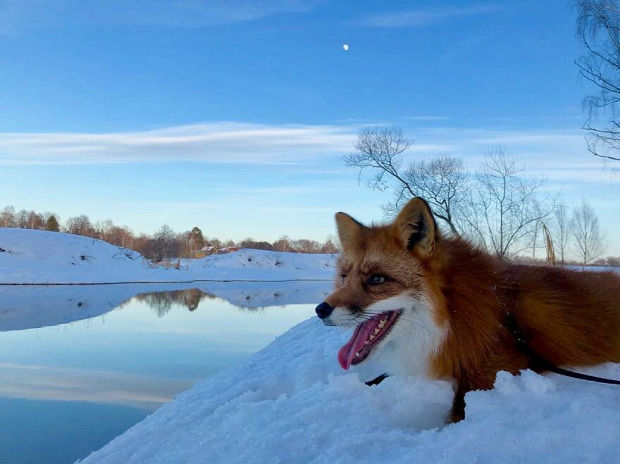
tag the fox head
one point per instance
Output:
(382, 290)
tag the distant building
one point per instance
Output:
(229, 249)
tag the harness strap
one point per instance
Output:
(543, 364)
(376, 381)
(579, 375)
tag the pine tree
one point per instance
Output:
(52, 224)
(199, 240)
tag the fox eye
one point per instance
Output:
(377, 279)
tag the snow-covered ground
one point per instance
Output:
(291, 402)
(40, 257)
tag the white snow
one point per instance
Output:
(41, 257)
(291, 402)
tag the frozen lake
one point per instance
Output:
(68, 388)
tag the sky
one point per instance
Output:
(234, 115)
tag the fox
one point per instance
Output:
(428, 304)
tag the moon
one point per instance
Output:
(345, 47)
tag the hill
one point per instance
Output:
(41, 257)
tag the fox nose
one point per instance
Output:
(323, 310)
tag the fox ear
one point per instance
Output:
(416, 227)
(349, 231)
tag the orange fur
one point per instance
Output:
(566, 317)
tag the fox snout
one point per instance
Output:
(324, 310)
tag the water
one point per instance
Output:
(68, 389)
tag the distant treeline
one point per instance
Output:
(163, 245)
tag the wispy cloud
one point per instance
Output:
(424, 17)
(16, 15)
(219, 142)
(240, 143)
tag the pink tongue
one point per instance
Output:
(362, 332)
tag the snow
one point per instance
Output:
(291, 402)
(249, 264)
(41, 257)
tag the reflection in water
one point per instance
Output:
(162, 302)
(27, 307)
(130, 359)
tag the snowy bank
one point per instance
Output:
(41, 257)
(291, 402)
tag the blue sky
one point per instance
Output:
(234, 115)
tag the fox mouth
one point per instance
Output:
(365, 338)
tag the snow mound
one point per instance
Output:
(253, 264)
(291, 402)
(42, 257)
(37, 256)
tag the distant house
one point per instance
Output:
(229, 249)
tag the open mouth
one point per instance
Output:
(365, 337)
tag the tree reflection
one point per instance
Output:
(162, 302)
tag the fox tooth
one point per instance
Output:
(377, 330)
(382, 323)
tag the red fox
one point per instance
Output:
(426, 304)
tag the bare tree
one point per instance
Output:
(21, 219)
(7, 217)
(562, 229)
(306, 246)
(503, 209)
(598, 28)
(440, 181)
(103, 228)
(35, 221)
(164, 243)
(121, 236)
(283, 244)
(330, 245)
(588, 236)
(80, 225)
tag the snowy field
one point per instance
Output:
(291, 402)
(40, 257)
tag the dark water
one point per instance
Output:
(68, 389)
